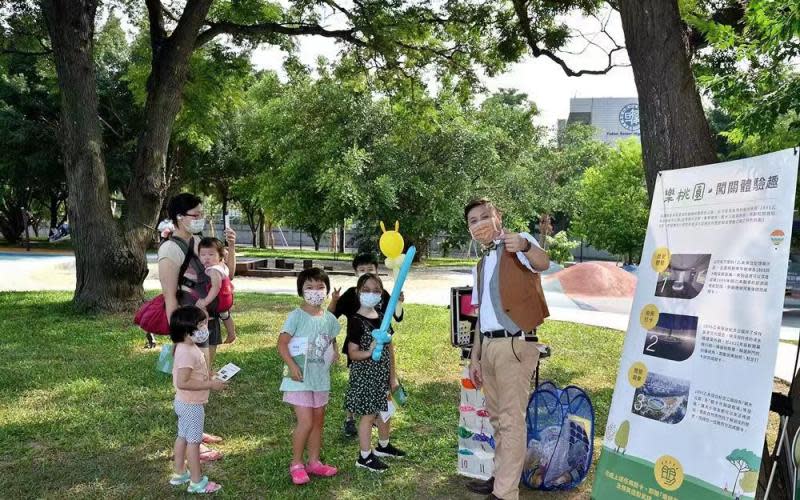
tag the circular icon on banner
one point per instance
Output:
(777, 236)
(637, 374)
(660, 259)
(649, 317)
(669, 472)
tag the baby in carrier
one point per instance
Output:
(219, 296)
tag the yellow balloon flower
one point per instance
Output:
(391, 242)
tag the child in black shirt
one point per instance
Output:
(368, 391)
(347, 304)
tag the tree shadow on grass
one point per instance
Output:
(85, 414)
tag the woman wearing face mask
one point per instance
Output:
(183, 277)
(369, 388)
(307, 344)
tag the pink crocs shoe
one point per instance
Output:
(299, 475)
(319, 469)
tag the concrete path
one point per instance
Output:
(35, 272)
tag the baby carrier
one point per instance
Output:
(152, 316)
(560, 437)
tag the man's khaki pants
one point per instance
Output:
(506, 385)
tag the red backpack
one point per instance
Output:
(152, 316)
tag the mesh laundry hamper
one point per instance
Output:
(560, 437)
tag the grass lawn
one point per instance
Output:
(449, 262)
(290, 253)
(38, 244)
(311, 254)
(83, 413)
(41, 244)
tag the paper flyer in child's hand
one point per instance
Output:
(389, 413)
(298, 346)
(227, 372)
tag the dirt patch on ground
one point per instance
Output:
(596, 279)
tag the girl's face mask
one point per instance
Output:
(201, 334)
(314, 297)
(369, 299)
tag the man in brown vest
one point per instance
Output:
(508, 294)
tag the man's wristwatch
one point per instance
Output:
(528, 246)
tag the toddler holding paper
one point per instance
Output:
(369, 388)
(188, 327)
(307, 344)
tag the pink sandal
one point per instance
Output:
(319, 469)
(210, 456)
(299, 474)
(204, 487)
(211, 439)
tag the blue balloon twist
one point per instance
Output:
(381, 335)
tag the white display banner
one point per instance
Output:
(690, 406)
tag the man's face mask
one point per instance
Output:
(484, 231)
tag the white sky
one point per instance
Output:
(543, 80)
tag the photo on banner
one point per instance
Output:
(684, 278)
(674, 337)
(662, 398)
(689, 410)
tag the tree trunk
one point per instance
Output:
(675, 132)
(270, 233)
(169, 71)
(12, 222)
(109, 273)
(250, 216)
(262, 235)
(422, 244)
(55, 202)
(341, 238)
(317, 237)
(110, 260)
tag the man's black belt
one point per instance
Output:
(499, 334)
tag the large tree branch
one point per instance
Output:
(170, 14)
(521, 10)
(25, 52)
(262, 29)
(336, 6)
(156, 20)
(12, 49)
(192, 18)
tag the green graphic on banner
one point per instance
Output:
(621, 476)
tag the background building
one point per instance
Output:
(614, 118)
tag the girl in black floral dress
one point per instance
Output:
(369, 380)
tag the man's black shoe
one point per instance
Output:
(482, 487)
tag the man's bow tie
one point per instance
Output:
(488, 248)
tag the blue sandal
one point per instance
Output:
(204, 487)
(180, 479)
